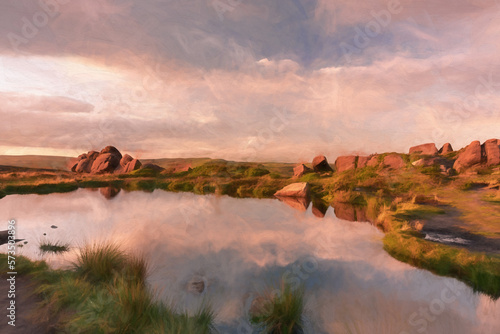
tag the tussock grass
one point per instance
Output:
(106, 292)
(53, 247)
(281, 312)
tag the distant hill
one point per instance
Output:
(61, 163)
(35, 161)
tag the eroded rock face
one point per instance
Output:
(320, 164)
(105, 163)
(491, 149)
(299, 189)
(125, 160)
(469, 157)
(429, 149)
(344, 163)
(363, 161)
(373, 162)
(446, 149)
(394, 161)
(132, 165)
(300, 170)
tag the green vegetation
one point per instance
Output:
(105, 293)
(389, 198)
(53, 247)
(480, 271)
(280, 311)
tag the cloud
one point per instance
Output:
(15, 102)
(175, 78)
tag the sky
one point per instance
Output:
(260, 80)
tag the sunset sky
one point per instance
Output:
(263, 80)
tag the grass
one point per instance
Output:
(480, 271)
(106, 292)
(280, 312)
(53, 247)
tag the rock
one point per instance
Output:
(422, 199)
(85, 164)
(154, 167)
(394, 161)
(491, 149)
(299, 189)
(469, 157)
(425, 162)
(373, 162)
(125, 160)
(363, 161)
(428, 149)
(196, 285)
(111, 150)
(298, 203)
(344, 163)
(300, 170)
(133, 165)
(320, 164)
(446, 149)
(105, 163)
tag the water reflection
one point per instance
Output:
(228, 250)
(298, 203)
(109, 192)
(352, 213)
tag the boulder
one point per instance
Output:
(299, 189)
(363, 161)
(425, 162)
(428, 149)
(111, 150)
(344, 163)
(86, 162)
(491, 149)
(135, 164)
(373, 162)
(469, 157)
(125, 160)
(105, 163)
(300, 170)
(446, 149)
(320, 164)
(394, 161)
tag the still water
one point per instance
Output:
(226, 251)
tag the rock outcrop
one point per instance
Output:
(476, 155)
(344, 163)
(109, 160)
(428, 149)
(469, 157)
(320, 164)
(363, 161)
(393, 161)
(374, 161)
(299, 189)
(491, 151)
(445, 149)
(301, 170)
